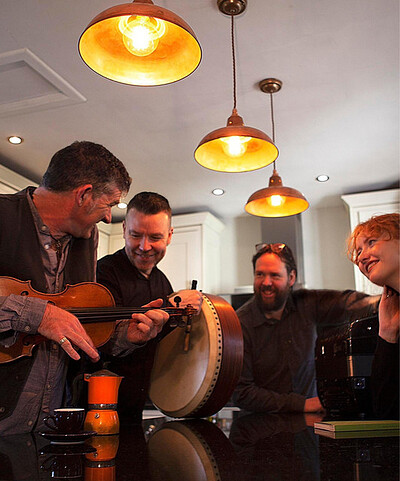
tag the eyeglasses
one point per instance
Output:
(276, 248)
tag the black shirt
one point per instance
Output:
(130, 288)
(385, 380)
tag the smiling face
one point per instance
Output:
(272, 282)
(146, 238)
(378, 258)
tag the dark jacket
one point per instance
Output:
(20, 258)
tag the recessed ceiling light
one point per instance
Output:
(218, 191)
(14, 139)
(322, 178)
(122, 205)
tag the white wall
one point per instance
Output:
(326, 265)
(238, 241)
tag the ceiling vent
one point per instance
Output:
(27, 84)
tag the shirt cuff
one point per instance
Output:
(22, 313)
(297, 402)
(119, 345)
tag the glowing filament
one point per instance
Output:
(141, 34)
(235, 146)
(276, 200)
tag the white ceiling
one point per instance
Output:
(337, 112)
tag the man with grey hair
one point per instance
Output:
(48, 236)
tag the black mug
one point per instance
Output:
(66, 420)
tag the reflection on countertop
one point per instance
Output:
(231, 445)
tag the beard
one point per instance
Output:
(274, 302)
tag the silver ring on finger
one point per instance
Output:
(62, 340)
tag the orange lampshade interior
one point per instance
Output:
(276, 202)
(103, 48)
(258, 150)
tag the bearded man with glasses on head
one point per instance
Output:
(280, 326)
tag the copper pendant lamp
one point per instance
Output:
(275, 200)
(236, 147)
(140, 44)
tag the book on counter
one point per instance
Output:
(379, 433)
(369, 428)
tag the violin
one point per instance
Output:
(92, 303)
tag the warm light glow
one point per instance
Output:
(140, 43)
(141, 34)
(276, 200)
(235, 146)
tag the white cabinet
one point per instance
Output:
(363, 206)
(194, 252)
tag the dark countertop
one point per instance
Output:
(228, 446)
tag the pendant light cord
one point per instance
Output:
(233, 61)
(273, 123)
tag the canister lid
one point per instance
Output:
(102, 373)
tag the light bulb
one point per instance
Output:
(235, 146)
(141, 34)
(276, 200)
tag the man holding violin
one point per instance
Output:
(48, 236)
(132, 276)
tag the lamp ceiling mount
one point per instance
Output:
(232, 7)
(270, 85)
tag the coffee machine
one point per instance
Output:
(343, 361)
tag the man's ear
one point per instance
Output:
(292, 278)
(171, 231)
(82, 193)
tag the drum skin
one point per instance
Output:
(199, 381)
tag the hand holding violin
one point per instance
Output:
(143, 327)
(63, 327)
(189, 297)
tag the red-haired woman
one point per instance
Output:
(374, 246)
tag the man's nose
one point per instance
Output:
(267, 281)
(144, 244)
(108, 217)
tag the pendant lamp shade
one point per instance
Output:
(235, 148)
(276, 200)
(140, 44)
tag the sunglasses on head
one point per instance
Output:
(276, 248)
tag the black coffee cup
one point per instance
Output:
(66, 420)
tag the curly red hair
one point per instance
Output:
(378, 225)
